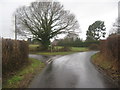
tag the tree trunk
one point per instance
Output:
(45, 45)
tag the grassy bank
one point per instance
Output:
(110, 67)
(103, 62)
(23, 77)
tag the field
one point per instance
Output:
(79, 49)
(54, 53)
(73, 50)
(33, 47)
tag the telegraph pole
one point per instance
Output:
(15, 29)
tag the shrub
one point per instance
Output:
(14, 55)
(76, 43)
(65, 48)
(94, 47)
(111, 47)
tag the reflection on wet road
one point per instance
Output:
(71, 71)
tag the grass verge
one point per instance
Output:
(103, 62)
(109, 67)
(23, 77)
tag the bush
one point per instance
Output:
(76, 43)
(111, 47)
(65, 49)
(14, 55)
(94, 47)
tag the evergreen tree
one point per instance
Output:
(96, 31)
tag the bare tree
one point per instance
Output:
(44, 20)
(116, 27)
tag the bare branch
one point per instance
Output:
(45, 20)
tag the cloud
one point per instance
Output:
(85, 11)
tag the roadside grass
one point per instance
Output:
(23, 77)
(101, 61)
(73, 50)
(110, 67)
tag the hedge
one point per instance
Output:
(14, 55)
(77, 43)
(111, 47)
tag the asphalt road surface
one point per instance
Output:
(38, 57)
(71, 71)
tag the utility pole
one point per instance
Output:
(15, 29)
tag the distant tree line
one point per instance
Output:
(95, 32)
(76, 43)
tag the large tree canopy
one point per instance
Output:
(44, 20)
(96, 31)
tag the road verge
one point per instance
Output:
(105, 68)
(24, 76)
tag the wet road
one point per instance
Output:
(39, 57)
(71, 71)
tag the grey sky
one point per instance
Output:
(86, 11)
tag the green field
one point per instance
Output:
(79, 49)
(33, 47)
(54, 53)
(73, 50)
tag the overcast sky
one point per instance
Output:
(86, 12)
